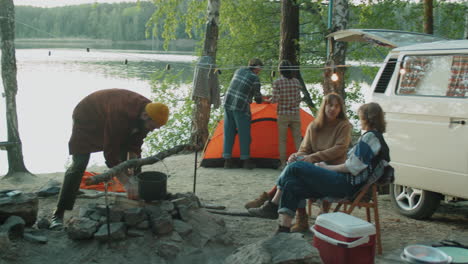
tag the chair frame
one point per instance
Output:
(349, 205)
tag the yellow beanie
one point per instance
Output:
(159, 112)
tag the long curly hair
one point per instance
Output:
(372, 117)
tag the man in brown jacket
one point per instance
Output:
(114, 121)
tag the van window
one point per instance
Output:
(439, 75)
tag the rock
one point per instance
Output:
(36, 239)
(154, 210)
(24, 205)
(167, 206)
(5, 243)
(43, 223)
(162, 225)
(173, 236)
(87, 211)
(206, 227)
(182, 228)
(81, 228)
(143, 225)
(134, 233)
(116, 215)
(168, 249)
(133, 216)
(13, 226)
(117, 232)
(281, 248)
(51, 188)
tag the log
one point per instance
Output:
(133, 163)
(231, 213)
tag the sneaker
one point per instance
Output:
(249, 164)
(257, 202)
(229, 164)
(268, 210)
(56, 223)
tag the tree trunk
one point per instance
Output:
(466, 25)
(337, 55)
(289, 43)
(201, 112)
(7, 31)
(428, 17)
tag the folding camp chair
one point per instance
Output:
(367, 197)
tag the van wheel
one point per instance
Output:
(414, 203)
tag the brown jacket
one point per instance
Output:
(109, 121)
(329, 144)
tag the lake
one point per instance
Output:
(52, 81)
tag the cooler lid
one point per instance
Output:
(345, 224)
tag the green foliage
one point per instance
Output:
(250, 29)
(167, 88)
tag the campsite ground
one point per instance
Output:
(232, 188)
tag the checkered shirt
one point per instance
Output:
(286, 92)
(244, 85)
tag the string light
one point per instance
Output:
(334, 77)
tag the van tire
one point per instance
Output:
(423, 203)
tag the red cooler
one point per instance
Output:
(344, 239)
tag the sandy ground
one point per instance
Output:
(231, 188)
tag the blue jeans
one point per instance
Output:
(301, 180)
(236, 122)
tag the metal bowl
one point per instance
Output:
(420, 254)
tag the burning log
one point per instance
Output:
(133, 163)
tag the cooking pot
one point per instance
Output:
(152, 185)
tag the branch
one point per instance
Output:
(133, 163)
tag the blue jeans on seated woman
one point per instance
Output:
(301, 180)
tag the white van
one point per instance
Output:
(423, 89)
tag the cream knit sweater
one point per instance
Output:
(329, 144)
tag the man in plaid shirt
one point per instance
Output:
(286, 92)
(244, 85)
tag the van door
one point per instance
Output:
(428, 123)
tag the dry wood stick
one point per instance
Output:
(109, 174)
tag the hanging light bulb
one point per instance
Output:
(334, 77)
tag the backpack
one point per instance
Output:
(388, 175)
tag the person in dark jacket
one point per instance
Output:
(114, 121)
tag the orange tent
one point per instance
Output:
(264, 134)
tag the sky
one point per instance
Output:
(55, 3)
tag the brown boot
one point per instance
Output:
(268, 210)
(302, 223)
(258, 202)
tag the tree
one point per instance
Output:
(201, 112)
(337, 55)
(289, 42)
(428, 17)
(466, 26)
(10, 85)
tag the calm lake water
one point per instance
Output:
(50, 85)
